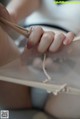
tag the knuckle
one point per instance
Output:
(62, 35)
(39, 29)
(48, 36)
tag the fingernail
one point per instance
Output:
(69, 38)
(66, 41)
(58, 40)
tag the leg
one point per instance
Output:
(11, 95)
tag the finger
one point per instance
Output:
(69, 38)
(46, 41)
(35, 36)
(57, 42)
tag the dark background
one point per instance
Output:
(4, 2)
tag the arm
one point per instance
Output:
(8, 50)
(19, 9)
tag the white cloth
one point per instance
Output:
(65, 15)
(68, 17)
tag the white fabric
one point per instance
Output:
(66, 15)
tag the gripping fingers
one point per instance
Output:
(69, 38)
(45, 42)
(57, 42)
(35, 36)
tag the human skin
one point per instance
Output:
(11, 95)
(9, 52)
(63, 106)
(59, 102)
(19, 9)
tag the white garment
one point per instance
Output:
(65, 15)
(68, 17)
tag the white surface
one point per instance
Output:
(66, 15)
(67, 73)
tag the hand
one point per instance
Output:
(48, 41)
(40, 42)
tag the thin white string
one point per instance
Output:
(44, 70)
(64, 87)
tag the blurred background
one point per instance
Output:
(4, 1)
(14, 34)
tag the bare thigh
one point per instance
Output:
(11, 95)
